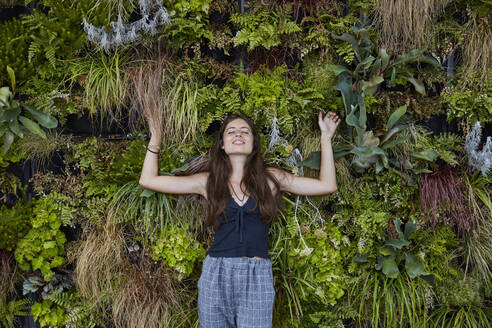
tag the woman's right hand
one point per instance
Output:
(154, 129)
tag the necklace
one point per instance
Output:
(244, 194)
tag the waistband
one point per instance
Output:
(238, 262)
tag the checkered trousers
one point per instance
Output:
(235, 292)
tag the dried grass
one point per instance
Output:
(132, 292)
(477, 48)
(443, 200)
(147, 294)
(406, 24)
(100, 260)
(167, 96)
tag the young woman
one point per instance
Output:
(235, 288)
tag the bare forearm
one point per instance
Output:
(150, 167)
(327, 170)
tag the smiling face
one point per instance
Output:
(237, 138)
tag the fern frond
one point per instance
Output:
(9, 310)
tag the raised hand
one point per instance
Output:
(329, 124)
(153, 126)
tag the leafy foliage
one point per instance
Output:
(178, 249)
(9, 310)
(10, 115)
(14, 224)
(264, 28)
(57, 35)
(43, 246)
(189, 21)
(48, 314)
(13, 51)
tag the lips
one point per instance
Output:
(238, 142)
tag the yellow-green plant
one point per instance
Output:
(178, 249)
(49, 314)
(43, 248)
(14, 224)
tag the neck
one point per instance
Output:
(237, 163)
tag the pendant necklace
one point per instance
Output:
(244, 194)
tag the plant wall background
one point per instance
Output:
(404, 242)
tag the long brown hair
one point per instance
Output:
(255, 178)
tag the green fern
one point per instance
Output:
(346, 51)
(8, 310)
(79, 311)
(264, 28)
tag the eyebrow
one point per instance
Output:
(233, 127)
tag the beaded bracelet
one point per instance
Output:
(154, 152)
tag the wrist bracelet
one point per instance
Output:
(153, 152)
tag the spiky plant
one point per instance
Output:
(405, 24)
(443, 200)
(477, 48)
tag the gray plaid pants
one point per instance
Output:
(235, 292)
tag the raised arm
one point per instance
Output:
(326, 183)
(150, 179)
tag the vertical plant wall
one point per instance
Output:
(404, 242)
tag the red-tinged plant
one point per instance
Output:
(443, 200)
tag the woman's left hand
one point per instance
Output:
(329, 124)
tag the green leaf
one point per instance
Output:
(369, 87)
(362, 111)
(147, 193)
(390, 269)
(44, 119)
(49, 244)
(11, 74)
(413, 265)
(32, 126)
(338, 69)
(384, 58)
(397, 243)
(419, 87)
(37, 263)
(428, 155)
(350, 39)
(351, 119)
(313, 161)
(10, 114)
(395, 142)
(9, 138)
(15, 127)
(366, 152)
(360, 258)
(393, 131)
(410, 227)
(5, 96)
(397, 224)
(379, 265)
(392, 79)
(340, 154)
(344, 85)
(364, 65)
(387, 251)
(395, 116)
(415, 55)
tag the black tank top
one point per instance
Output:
(242, 232)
